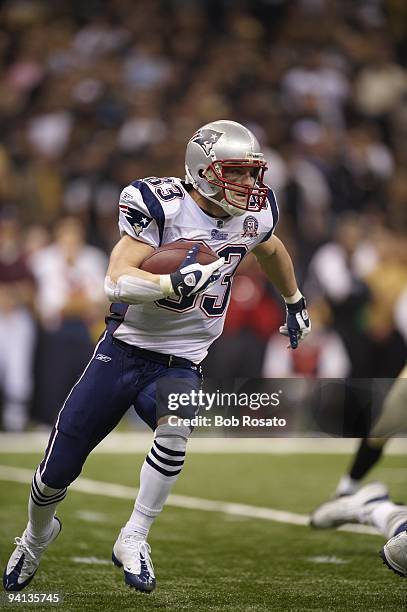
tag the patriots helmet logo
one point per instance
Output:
(137, 219)
(206, 138)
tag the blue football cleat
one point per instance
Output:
(26, 558)
(133, 555)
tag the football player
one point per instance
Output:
(392, 421)
(371, 505)
(159, 331)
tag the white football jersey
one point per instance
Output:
(159, 211)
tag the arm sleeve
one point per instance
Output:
(138, 217)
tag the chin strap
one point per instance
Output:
(223, 204)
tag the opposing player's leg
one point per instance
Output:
(158, 475)
(371, 506)
(367, 455)
(347, 509)
(92, 409)
(392, 421)
(391, 520)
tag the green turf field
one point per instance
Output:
(210, 560)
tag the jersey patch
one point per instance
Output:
(138, 220)
(250, 227)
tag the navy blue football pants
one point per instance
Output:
(114, 379)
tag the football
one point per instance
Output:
(168, 258)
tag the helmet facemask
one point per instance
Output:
(237, 198)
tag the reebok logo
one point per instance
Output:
(104, 358)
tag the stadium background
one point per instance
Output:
(95, 94)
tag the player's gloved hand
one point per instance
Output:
(191, 277)
(298, 324)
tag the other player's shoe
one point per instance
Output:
(394, 554)
(134, 556)
(26, 558)
(348, 508)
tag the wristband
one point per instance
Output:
(166, 284)
(292, 299)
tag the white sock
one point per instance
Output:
(387, 517)
(380, 515)
(41, 508)
(159, 472)
(347, 486)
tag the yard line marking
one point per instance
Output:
(324, 559)
(91, 517)
(90, 560)
(140, 442)
(110, 489)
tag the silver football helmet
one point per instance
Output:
(214, 153)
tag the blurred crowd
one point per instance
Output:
(96, 94)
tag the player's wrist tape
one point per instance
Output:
(292, 299)
(166, 285)
(134, 290)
